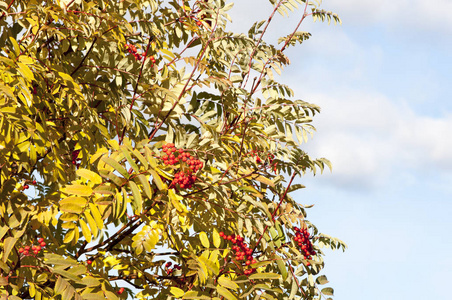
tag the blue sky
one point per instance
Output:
(383, 81)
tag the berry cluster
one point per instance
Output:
(174, 156)
(302, 238)
(170, 270)
(183, 178)
(242, 252)
(26, 186)
(133, 50)
(152, 59)
(270, 157)
(35, 249)
(76, 161)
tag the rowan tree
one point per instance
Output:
(147, 152)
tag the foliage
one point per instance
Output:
(132, 138)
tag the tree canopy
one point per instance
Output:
(147, 152)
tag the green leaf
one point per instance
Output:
(105, 190)
(140, 158)
(110, 295)
(282, 268)
(90, 281)
(265, 276)
(328, 291)
(137, 200)
(129, 159)
(225, 293)
(146, 186)
(295, 187)
(158, 181)
(226, 282)
(113, 163)
(322, 280)
(204, 239)
(8, 245)
(58, 260)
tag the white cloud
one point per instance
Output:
(373, 141)
(415, 14)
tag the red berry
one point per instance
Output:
(89, 261)
(120, 291)
(43, 244)
(221, 234)
(34, 182)
(199, 23)
(26, 186)
(21, 250)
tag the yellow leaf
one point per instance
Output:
(15, 46)
(216, 238)
(264, 180)
(225, 293)
(97, 216)
(177, 292)
(204, 239)
(92, 223)
(175, 200)
(73, 204)
(78, 189)
(69, 236)
(89, 175)
(226, 282)
(85, 230)
(25, 71)
(137, 199)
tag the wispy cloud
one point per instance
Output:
(415, 14)
(373, 140)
